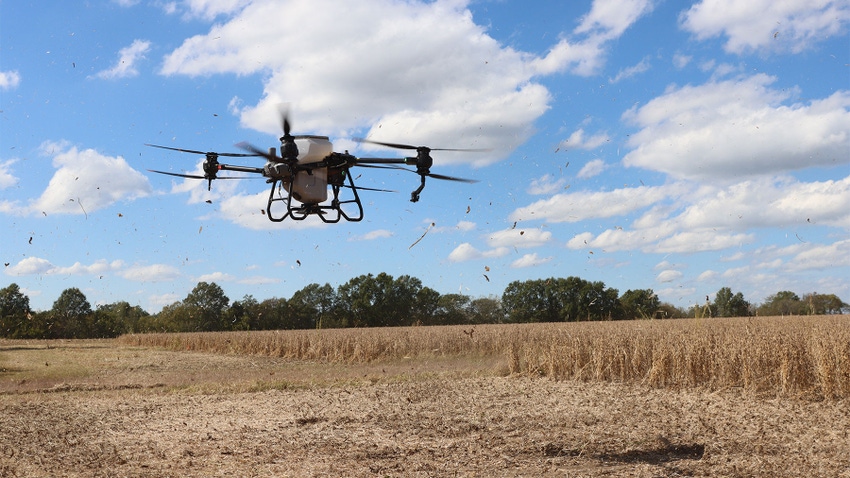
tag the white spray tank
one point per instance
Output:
(311, 187)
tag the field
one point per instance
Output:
(713, 397)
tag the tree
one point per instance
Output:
(14, 312)
(70, 315)
(381, 301)
(486, 310)
(820, 304)
(639, 304)
(783, 303)
(727, 304)
(206, 305)
(112, 320)
(451, 310)
(559, 300)
(319, 302)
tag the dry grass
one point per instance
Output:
(106, 409)
(806, 357)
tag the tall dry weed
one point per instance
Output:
(789, 356)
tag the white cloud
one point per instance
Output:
(581, 205)
(216, 277)
(592, 168)
(631, 71)
(85, 181)
(681, 60)
(821, 256)
(579, 140)
(730, 129)
(37, 265)
(7, 179)
(546, 184)
(466, 252)
(259, 280)
(758, 25)
(128, 57)
(30, 266)
(530, 260)
(9, 80)
(372, 235)
(152, 273)
(610, 18)
(519, 238)
(668, 276)
(444, 81)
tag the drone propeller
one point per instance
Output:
(418, 148)
(195, 176)
(208, 153)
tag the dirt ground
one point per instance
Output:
(101, 409)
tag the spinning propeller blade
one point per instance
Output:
(229, 155)
(418, 148)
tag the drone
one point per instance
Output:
(307, 169)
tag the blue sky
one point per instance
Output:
(677, 146)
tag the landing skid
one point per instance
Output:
(329, 213)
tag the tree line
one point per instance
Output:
(379, 301)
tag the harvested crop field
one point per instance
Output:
(108, 408)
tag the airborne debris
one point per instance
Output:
(422, 236)
(485, 276)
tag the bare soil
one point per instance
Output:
(97, 408)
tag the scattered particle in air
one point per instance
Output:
(521, 232)
(487, 268)
(200, 229)
(30, 239)
(120, 215)
(298, 262)
(485, 276)
(468, 209)
(514, 226)
(209, 201)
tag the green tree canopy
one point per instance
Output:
(727, 304)
(14, 313)
(70, 315)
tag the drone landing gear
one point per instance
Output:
(328, 213)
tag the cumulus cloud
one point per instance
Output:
(38, 265)
(519, 238)
(9, 80)
(128, 58)
(592, 168)
(216, 277)
(582, 205)
(767, 24)
(530, 260)
(546, 184)
(151, 273)
(444, 80)
(466, 252)
(7, 179)
(372, 235)
(85, 181)
(580, 140)
(730, 129)
(631, 71)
